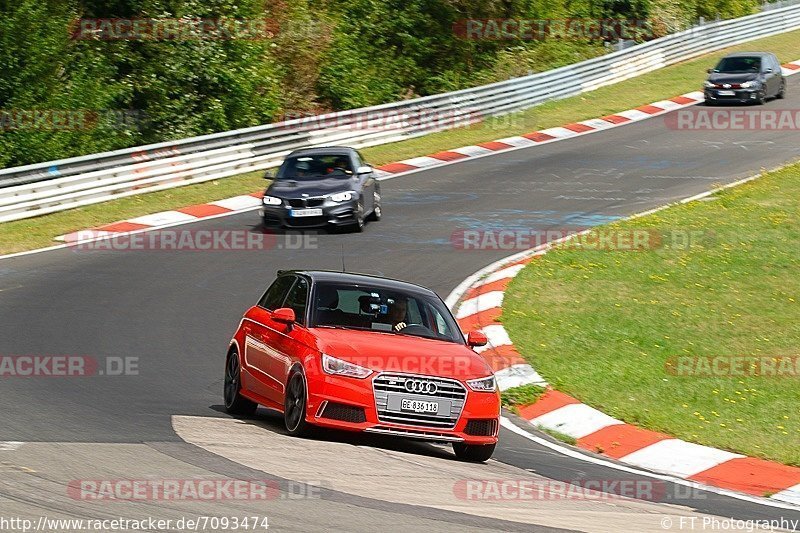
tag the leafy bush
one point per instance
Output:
(326, 55)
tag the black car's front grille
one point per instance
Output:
(305, 202)
(447, 390)
(481, 428)
(345, 413)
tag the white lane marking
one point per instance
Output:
(421, 162)
(574, 454)
(634, 114)
(790, 495)
(497, 337)
(678, 458)
(517, 141)
(597, 123)
(559, 132)
(503, 273)
(576, 420)
(471, 151)
(517, 375)
(695, 95)
(238, 202)
(164, 217)
(480, 303)
(669, 105)
(10, 445)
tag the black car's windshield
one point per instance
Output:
(739, 65)
(313, 167)
(379, 309)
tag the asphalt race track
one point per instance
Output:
(176, 311)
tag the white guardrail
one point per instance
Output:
(58, 185)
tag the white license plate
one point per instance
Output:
(727, 93)
(305, 212)
(418, 406)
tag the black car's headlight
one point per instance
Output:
(272, 200)
(709, 85)
(750, 84)
(342, 196)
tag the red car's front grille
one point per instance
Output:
(448, 392)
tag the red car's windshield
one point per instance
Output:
(380, 309)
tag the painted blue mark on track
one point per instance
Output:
(513, 219)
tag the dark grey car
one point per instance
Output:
(745, 77)
(322, 187)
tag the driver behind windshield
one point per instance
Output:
(396, 314)
(341, 164)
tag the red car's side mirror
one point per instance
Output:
(284, 315)
(476, 338)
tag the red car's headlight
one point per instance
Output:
(338, 367)
(488, 384)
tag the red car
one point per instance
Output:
(363, 353)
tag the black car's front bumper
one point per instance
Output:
(333, 214)
(738, 96)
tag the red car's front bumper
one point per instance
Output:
(350, 404)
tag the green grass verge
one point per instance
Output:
(603, 325)
(518, 396)
(563, 437)
(658, 85)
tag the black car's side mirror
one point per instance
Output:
(365, 169)
(767, 71)
(269, 175)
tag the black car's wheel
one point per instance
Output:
(294, 406)
(235, 403)
(376, 213)
(474, 453)
(358, 227)
(782, 93)
(376, 203)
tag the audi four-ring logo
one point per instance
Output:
(421, 387)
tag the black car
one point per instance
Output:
(322, 187)
(745, 77)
